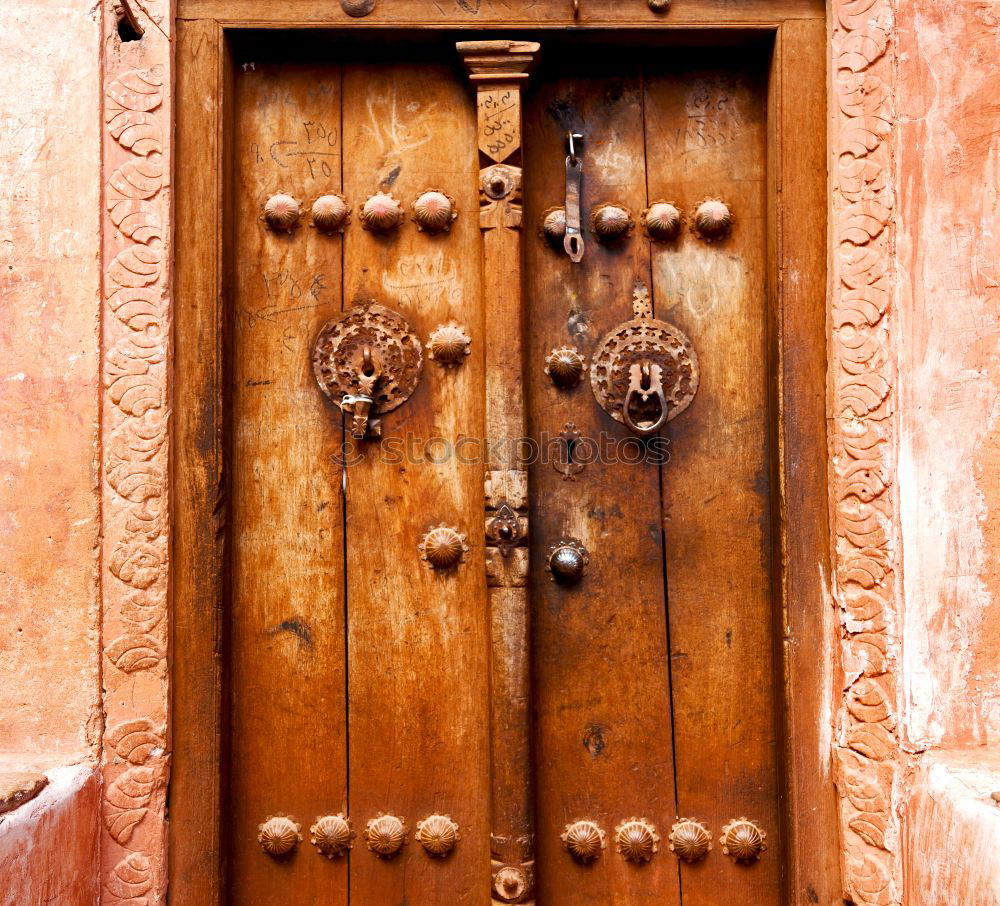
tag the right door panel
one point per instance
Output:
(655, 675)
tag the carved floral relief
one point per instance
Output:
(135, 420)
(862, 374)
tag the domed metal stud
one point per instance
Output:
(332, 835)
(381, 213)
(637, 840)
(743, 840)
(437, 834)
(712, 220)
(357, 8)
(568, 560)
(584, 840)
(690, 840)
(279, 835)
(281, 213)
(385, 835)
(662, 221)
(449, 345)
(553, 227)
(611, 223)
(565, 366)
(659, 6)
(434, 212)
(330, 213)
(443, 547)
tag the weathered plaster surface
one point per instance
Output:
(948, 252)
(49, 366)
(48, 847)
(953, 831)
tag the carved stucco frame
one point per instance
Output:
(136, 353)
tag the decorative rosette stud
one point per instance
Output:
(434, 212)
(553, 227)
(385, 835)
(662, 221)
(690, 840)
(584, 840)
(281, 213)
(568, 560)
(743, 840)
(449, 345)
(330, 213)
(712, 220)
(565, 366)
(437, 834)
(611, 222)
(443, 547)
(332, 835)
(279, 835)
(381, 213)
(637, 840)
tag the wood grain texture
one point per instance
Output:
(602, 687)
(195, 793)
(288, 736)
(800, 261)
(418, 639)
(472, 14)
(708, 129)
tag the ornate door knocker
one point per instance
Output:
(645, 372)
(368, 361)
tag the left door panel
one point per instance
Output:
(287, 746)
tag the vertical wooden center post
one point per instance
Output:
(498, 69)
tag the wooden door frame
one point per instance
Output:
(797, 266)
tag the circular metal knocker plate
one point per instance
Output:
(648, 365)
(394, 350)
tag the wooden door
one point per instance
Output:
(368, 683)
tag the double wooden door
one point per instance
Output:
(396, 668)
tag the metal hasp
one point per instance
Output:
(368, 361)
(498, 69)
(573, 239)
(644, 372)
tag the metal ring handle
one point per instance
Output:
(638, 374)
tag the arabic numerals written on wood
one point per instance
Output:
(499, 122)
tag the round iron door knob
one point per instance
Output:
(565, 366)
(690, 840)
(437, 834)
(510, 884)
(611, 222)
(434, 212)
(385, 835)
(332, 835)
(713, 219)
(637, 840)
(662, 221)
(554, 227)
(584, 840)
(443, 547)
(743, 840)
(568, 561)
(381, 213)
(330, 213)
(281, 213)
(279, 835)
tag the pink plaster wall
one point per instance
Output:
(948, 265)
(48, 846)
(50, 209)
